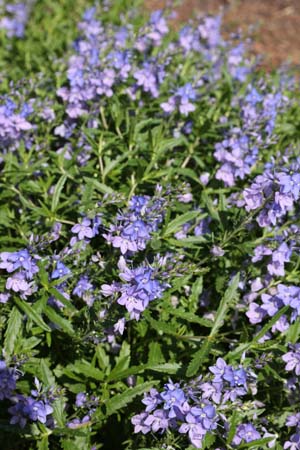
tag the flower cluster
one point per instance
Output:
(199, 407)
(139, 287)
(14, 22)
(25, 408)
(23, 267)
(239, 151)
(134, 227)
(273, 195)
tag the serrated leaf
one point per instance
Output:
(59, 296)
(257, 442)
(85, 368)
(62, 323)
(160, 326)
(43, 444)
(234, 421)
(155, 355)
(293, 332)
(57, 191)
(32, 314)
(12, 331)
(59, 411)
(46, 375)
(223, 308)
(198, 357)
(189, 242)
(176, 224)
(190, 317)
(169, 368)
(121, 400)
(100, 187)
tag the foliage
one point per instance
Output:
(149, 234)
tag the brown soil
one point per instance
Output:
(274, 25)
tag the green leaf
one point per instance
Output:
(189, 242)
(198, 357)
(234, 421)
(225, 304)
(155, 355)
(256, 443)
(59, 411)
(169, 368)
(121, 400)
(293, 332)
(32, 314)
(101, 187)
(43, 444)
(12, 332)
(190, 317)
(176, 224)
(244, 347)
(208, 441)
(46, 375)
(59, 296)
(213, 212)
(62, 323)
(57, 191)
(160, 326)
(85, 368)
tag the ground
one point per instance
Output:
(274, 25)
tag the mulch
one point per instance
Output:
(273, 25)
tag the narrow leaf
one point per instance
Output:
(62, 323)
(225, 304)
(177, 223)
(57, 191)
(12, 331)
(32, 314)
(121, 400)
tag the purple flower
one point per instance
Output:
(4, 297)
(246, 433)
(83, 229)
(173, 398)
(152, 399)
(81, 399)
(293, 420)
(236, 377)
(279, 257)
(82, 286)
(292, 359)
(139, 423)
(8, 378)
(15, 23)
(194, 429)
(27, 408)
(76, 423)
(181, 100)
(206, 415)
(290, 184)
(158, 420)
(212, 391)
(218, 370)
(18, 283)
(60, 270)
(12, 261)
(294, 443)
(119, 326)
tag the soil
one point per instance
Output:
(273, 25)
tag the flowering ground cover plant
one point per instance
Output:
(149, 234)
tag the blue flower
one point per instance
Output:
(60, 271)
